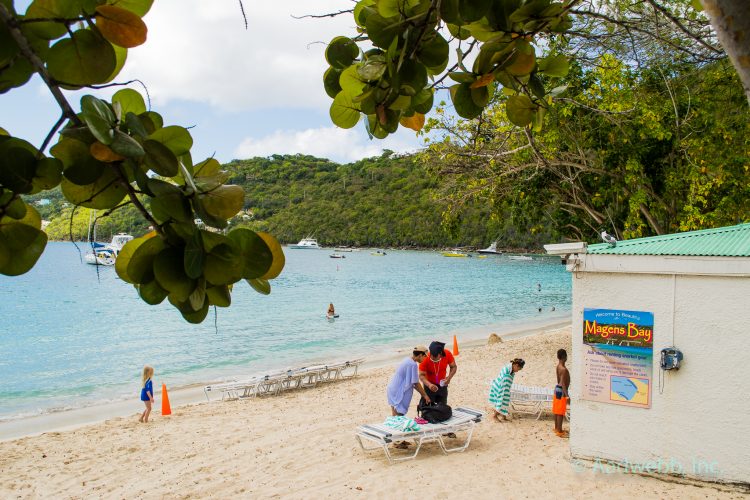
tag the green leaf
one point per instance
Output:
(219, 296)
(554, 66)
(49, 9)
(520, 110)
(17, 169)
(82, 59)
(473, 10)
(350, 82)
(198, 296)
(223, 264)
(383, 30)
(140, 265)
(224, 201)
(198, 316)
(344, 113)
(126, 146)
(135, 126)
(169, 202)
(363, 9)
(152, 293)
(341, 52)
(434, 54)
(124, 257)
(331, 82)
(463, 102)
(372, 69)
(79, 166)
(21, 213)
(260, 286)
(105, 192)
(449, 11)
(23, 245)
(256, 256)
(139, 7)
(17, 209)
(130, 101)
(48, 174)
(160, 159)
(278, 256)
(194, 256)
(536, 86)
(169, 272)
(176, 138)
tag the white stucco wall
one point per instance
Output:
(700, 424)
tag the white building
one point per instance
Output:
(695, 421)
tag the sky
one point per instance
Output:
(246, 93)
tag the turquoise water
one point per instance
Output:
(72, 334)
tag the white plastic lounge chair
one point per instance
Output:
(532, 400)
(374, 436)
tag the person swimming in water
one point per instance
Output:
(331, 311)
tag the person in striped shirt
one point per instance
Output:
(500, 389)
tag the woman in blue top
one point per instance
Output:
(147, 392)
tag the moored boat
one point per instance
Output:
(106, 255)
(306, 244)
(492, 249)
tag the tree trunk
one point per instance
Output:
(731, 20)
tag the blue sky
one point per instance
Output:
(247, 93)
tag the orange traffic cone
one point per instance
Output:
(165, 408)
(455, 346)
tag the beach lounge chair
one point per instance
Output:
(374, 436)
(532, 400)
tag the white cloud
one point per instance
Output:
(199, 51)
(341, 145)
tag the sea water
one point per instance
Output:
(73, 334)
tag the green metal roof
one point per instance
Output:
(730, 241)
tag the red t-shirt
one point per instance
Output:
(435, 371)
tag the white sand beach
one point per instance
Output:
(301, 444)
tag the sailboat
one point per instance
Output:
(492, 249)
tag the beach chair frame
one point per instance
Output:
(377, 436)
(532, 400)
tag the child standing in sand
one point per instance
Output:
(560, 402)
(147, 393)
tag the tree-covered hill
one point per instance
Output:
(386, 201)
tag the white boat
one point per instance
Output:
(337, 256)
(105, 255)
(492, 249)
(520, 257)
(306, 243)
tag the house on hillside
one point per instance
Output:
(661, 354)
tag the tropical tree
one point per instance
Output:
(111, 155)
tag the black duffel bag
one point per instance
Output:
(434, 412)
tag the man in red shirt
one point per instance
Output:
(432, 372)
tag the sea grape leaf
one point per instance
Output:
(224, 202)
(140, 265)
(219, 295)
(105, 192)
(520, 110)
(130, 101)
(169, 272)
(344, 113)
(176, 138)
(17, 169)
(278, 256)
(256, 256)
(138, 7)
(341, 52)
(120, 26)
(194, 256)
(152, 293)
(24, 245)
(260, 285)
(82, 59)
